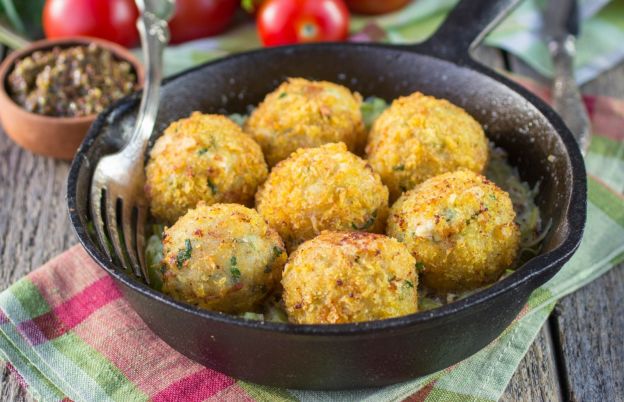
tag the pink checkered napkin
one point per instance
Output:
(74, 323)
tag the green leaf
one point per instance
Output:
(252, 316)
(449, 214)
(428, 303)
(274, 313)
(154, 257)
(371, 108)
(184, 254)
(12, 15)
(277, 251)
(24, 16)
(10, 38)
(420, 266)
(236, 273)
(213, 187)
(248, 5)
(369, 222)
(238, 118)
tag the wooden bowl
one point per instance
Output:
(58, 137)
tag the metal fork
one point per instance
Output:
(117, 189)
(561, 27)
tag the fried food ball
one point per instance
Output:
(222, 257)
(461, 229)
(341, 277)
(419, 137)
(324, 188)
(306, 114)
(206, 158)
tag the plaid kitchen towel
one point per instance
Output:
(67, 333)
(598, 47)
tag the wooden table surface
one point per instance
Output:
(578, 355)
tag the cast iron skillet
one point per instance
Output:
(379, 352)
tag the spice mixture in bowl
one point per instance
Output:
(52, 90)
(75, 81)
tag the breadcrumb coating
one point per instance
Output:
(419, 137)
(460, 227)
(204, 157)
(305, 114)
(324, 188)
(222, 257)
(341, 277)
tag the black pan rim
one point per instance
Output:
(536, 270)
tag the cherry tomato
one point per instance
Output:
(375, 6)
(199, 18)
(282, 22)
(114, 20)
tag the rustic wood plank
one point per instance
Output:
(536, 378)
(590, 331)
(596, 310)
(10, 390)
(34, 225)
(588, 325)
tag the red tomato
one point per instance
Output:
(114, 20)
(375, 6)
(282, 22)
(198, 18)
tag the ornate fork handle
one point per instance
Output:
(154, 33)
(566, 95)
(117, 187)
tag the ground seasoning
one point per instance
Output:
(73, 81)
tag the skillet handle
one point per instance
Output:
(465, 27)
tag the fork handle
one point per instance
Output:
(566, 95)
(154, 34)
